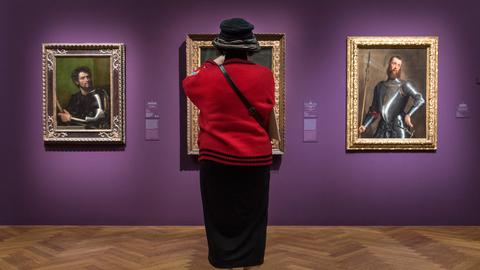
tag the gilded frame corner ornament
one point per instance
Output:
(194, 44)
(354, 142)
(55, 132)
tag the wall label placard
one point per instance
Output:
(152, 116)
(462, 111)
(310, 115)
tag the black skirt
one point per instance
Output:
(235, 209)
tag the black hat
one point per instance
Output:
(236, 29)
(236, 34)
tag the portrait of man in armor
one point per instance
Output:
(392, 93)
(83, 93)
(88, 106)
(392, 100)
(389, 104)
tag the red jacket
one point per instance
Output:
(228, 133)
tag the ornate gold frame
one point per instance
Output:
(195, 42)
(54, 134)
(353, 141)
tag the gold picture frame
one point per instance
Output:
(199, 48)
(368, 62)
(105, 65)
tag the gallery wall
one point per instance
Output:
(153, 183)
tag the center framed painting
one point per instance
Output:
(392, 93)
(199, 48)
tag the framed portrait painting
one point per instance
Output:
(392, 93)
(199, 48)
(84, 93)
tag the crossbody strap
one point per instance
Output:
(251, 110)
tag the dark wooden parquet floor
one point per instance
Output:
(295, 248)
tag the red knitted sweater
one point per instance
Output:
(228, 133)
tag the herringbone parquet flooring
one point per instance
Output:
(295, 248)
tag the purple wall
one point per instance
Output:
(315, 184)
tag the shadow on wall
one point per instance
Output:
(84, 148)
(187, 162)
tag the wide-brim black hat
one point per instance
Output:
(236, 34)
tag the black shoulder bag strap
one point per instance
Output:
(251, 110)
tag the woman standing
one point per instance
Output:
(235, 149)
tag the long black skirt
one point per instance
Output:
(235, 209)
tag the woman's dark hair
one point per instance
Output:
(242, 54)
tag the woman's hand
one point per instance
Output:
(219, 60)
